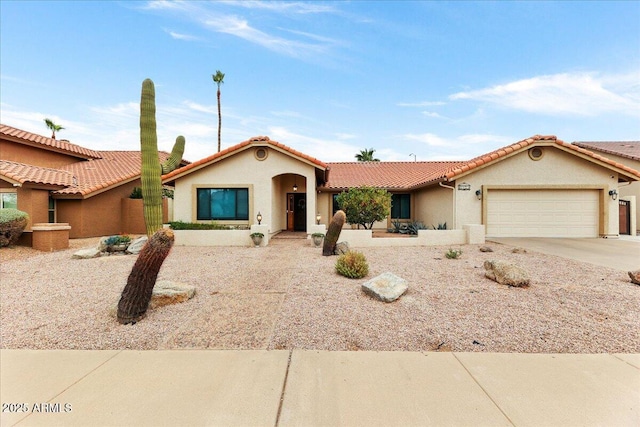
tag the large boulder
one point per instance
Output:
(136, 245)
(635, 277)
(86, 253)
(506, 273)
(166, 292)
(386, 287)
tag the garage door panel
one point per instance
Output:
(542, 213)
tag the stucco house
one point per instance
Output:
(540, 186)
(626, 153)
(55, 181)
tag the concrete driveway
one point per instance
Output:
(621, 254)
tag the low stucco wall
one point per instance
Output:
(470, 234)
(220, 237)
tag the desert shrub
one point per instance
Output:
(453, 253)
(181, 225)
(136, 193)
(353, 265)
(365, 205)
(12, 224)
(117, 240)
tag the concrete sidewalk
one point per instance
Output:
(316, 388)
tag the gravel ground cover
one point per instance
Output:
(287, 295)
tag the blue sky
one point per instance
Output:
(440, 80)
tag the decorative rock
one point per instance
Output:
(166, 292)
(506, 274)
(86, 253)
(341, 248)
(102, 244)
(635, 277)
(519, 251)
(136, 245)
(386, 287)
(486, 249)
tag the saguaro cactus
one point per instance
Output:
(137, 293)
(333, 233)
(151, 167)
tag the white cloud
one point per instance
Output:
(179, 36)
(213, 16)
(433, 114)
(582, 94)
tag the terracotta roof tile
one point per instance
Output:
(59, 145)
(628, 149)
(256, 140)
(23, 173)
(114, 168)
(518, 146)
(389, 175)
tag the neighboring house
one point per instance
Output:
(57, 181)
(626, 153)
(540, 186)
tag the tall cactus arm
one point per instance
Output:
(176, 156)
(151, 169)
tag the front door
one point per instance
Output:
(296, 212)
(625, 216)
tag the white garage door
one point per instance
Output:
(542, 213)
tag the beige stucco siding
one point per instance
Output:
(268, 181)
(434, 205)
(555, 170)
(627, 190)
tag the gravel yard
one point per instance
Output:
(287, 295)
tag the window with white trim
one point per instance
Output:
(220, 204)
(9, 200)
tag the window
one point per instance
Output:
(8, 200)
(223, 204)
(336, 206)
(52, 209)
(401, 206)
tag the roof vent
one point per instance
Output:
(536, 153)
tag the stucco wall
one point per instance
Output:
(15, 152)
(99, 215)
(266, 179)
(555, 169)
(624, 189)
(434, 205)
(35, 203)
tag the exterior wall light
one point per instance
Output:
(479, 194)
(613, 194)
(259, 217)
(318, 218)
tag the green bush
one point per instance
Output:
(181, 225)
(353, 265)
(117, 240)
(365, 205)
(453, 253)
(12, 224)
(136, 193)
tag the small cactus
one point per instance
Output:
(333, 233)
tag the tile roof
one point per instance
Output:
(504, 152)
(113, 169)
(388, 175)
(22, 174)
(255, 141)
(81, 179)
(58, 145)
(412, 175)
(628, 149)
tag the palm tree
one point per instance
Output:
(53, 127)
(366, 155)
(218, 78)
